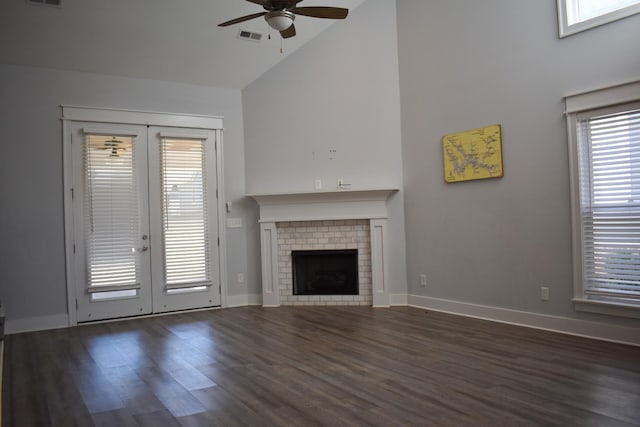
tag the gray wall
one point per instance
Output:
(32, 263)
(461, 65)
(332, 110)
(466, 64)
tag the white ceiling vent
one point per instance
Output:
(249, 35)
(55, 3)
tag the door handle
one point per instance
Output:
(144, 248)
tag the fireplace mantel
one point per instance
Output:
(370, 204)
(323, 205)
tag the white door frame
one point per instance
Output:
(149, 118)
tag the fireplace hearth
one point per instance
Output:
(325, 272)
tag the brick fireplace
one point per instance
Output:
(346, 219)
(324, 235)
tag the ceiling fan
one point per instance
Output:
(280, 14)
(114, 145)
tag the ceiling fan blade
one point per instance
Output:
(289, 32)
(242, 19)
(260, 2)
(322, 12)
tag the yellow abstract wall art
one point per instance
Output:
(473, 154)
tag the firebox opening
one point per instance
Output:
(325, 272)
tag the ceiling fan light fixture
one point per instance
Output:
(280, 20)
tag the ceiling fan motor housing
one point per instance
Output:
(280, 20)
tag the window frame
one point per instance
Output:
(577, 105)
(565, 29)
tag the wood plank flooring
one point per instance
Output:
(307, 366)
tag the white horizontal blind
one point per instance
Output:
(185, 213)
(111, 212)
(610, 203)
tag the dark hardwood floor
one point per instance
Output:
(305, 366)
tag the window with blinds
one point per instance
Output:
(111, 213)
(185, 215)
(609, 163)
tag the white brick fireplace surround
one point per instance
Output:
(324, 220)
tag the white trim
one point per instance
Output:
(244, 300)
(98, 131)
(621, 93)
(323, 205)
(379, 262)
(576, 214)
(398, 299)
(606, 307)
(72, 114)
(593, 330)
(177, 135)
(69, 239)
(269, 263)
(576, 105)
(222, 248)
(136, 117)
(565, 29)
(31, 324)
(368, 204)
(564, 325)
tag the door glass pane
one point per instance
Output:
(185, 213)
(111, 211)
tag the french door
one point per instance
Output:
(145, 219)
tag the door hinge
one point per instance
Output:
(76, 303)
(72, 194)
(216, 193)
(74, 248)
(218, 241)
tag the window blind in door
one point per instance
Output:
(111, 213)
(185, 213)
(610, 198)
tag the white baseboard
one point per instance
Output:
(243, 300)
(398, 299)
(582, 328)
(30, 324)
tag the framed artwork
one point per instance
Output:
(473, 154)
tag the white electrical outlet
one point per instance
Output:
(240, 277)
(423, 280)
(318, 184)
(544, 293)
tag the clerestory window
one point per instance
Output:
(579, 15)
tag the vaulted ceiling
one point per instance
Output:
(172, 40)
